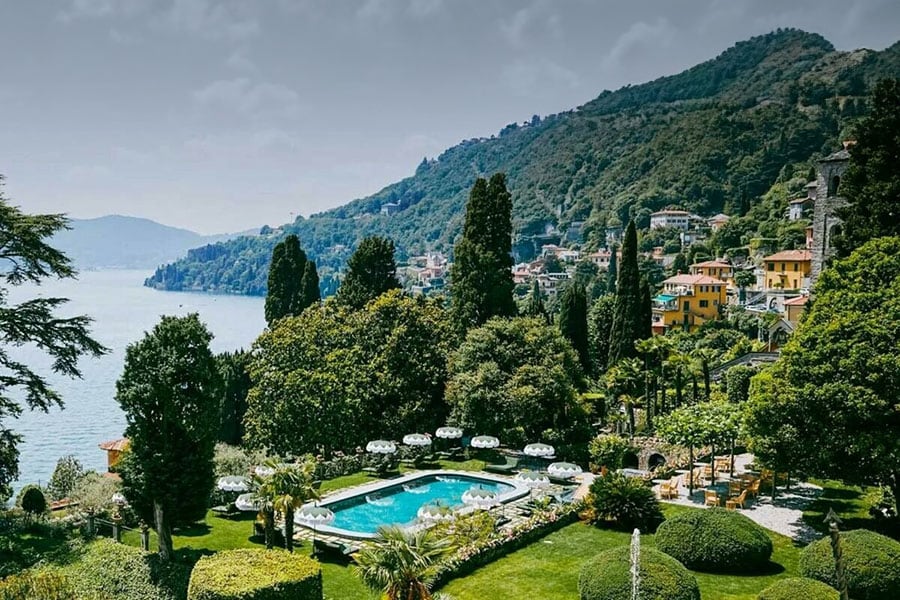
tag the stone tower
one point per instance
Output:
(826, 223)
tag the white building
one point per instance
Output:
(670, 218)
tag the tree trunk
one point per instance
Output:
(289, 529)
(712, 464)
(678, 385)
(163, 532)
(631, 423)
(650, 400)
(690, 471)
(732, 459)
(269, 527)
(706, 379)
(894, 485)
(695, 392)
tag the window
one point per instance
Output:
(796, 267)
(782, 267)
(704, 303)
(687, 305)
(770, 266)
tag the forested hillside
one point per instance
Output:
(711, 139)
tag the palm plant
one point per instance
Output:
(288, 488)
(622, 381)
(706, 357)
(400, 564)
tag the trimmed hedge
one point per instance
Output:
(36, 585)
(794, 588)
(251, 574)
(871, 564)
(607, 576)
(715, 540)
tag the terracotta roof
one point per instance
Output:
(800, 255)
(719, 217)
(801, 200)
(119, 444)
(694, 280)
(798, 301)
(711, 263)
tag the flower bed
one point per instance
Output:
(502, 542)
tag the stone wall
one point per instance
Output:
(828, 200)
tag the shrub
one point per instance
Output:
(105, 569)
(608, 451)
(33, 501)
(251, 574)
(799, 587)
(628, 501)
(607, 576)
(36, 585)
(715, 540)
(870, 564)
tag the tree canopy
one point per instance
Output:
(371, 271)
(573, 325)
(628, 326)
(293, 282)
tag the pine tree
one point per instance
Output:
(285, 295)
(536, 306)
(612, 271)
(679, 265)
(482, 283)
(371, 271)
(626, 327)
(872, 181)
(573, 322)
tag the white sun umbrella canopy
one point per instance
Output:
(119, 499)
(532, 479)
(416, 439)
(381, 447)
(434, 513)
(564, 470)
(449, 433)
(539, 450)
(313, 516)
(484, 441)
(480, 497)
(232, 483)
(264, 470)
(246, 503)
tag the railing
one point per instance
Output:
(114, 529)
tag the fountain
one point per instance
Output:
(635, 563)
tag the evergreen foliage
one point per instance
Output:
(612, 271)
(792, 588)
(625, 502)
(402, 564)
(169, 394)
(290, 288)
(535, 307)
(870, 564)
(573, 323)
(600, 319)
(65, 477)
(872, 182)
(233, 371)
(607, 576)
(482, 283)
(33, 501)
(627, 327)
(251, 574)
(371, 271)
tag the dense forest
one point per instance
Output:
(714, 138)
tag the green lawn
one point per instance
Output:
(548, 569)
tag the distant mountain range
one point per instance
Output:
(120, 242)
(711, 139)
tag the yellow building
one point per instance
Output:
(794, 307)
(687, 301)
(714, 268)
(788, 270)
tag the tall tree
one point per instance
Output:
(371, 271)
(481, 276)
(645, 328)
(612, 271)
(402, 564)
(26, 257)
(286, 294)
(169, 394)
(535, 307)
(309, 284)
(626, 328)
(286, 489)
(233, 371)
(872, 181)
(573, 322)
(65, 477)
(600, 318)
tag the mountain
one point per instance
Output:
(711, 139)
(116, 241)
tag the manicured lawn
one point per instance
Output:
(548, 569)
(850, 502)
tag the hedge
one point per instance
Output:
(607, 576)
(715, 540)
(799, 588)
(871, 564)
(255, 574)
(36, 585)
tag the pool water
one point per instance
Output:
(399, 505)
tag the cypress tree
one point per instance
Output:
(612, 272)
(371, 271)
(573, 322)
(482, 283)
(646, 322)
(284, 295)
(626, 327)
(309, 285)
(536, 306)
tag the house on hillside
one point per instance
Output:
(687, 301)
(794, 307)
(390, 208)
(716, 222)
(114, 450)
(787, 270)
(680, 219)
(714, 268)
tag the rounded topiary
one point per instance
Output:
(32, 500)
(607, 576)
(251, 574)
(871, 564)
(793, 588)
(716, 540)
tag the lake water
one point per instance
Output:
(123, 310)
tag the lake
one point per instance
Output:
(123, 310)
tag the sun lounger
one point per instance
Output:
(509, 466)
(339, 550)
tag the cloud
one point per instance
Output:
(525, 77)
(528, 22)
(239, 61)
(213, 19)
(255, 101)
(85, 174)
(425, 8)
(99, 9)
(631, 46)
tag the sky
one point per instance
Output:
(224, 115)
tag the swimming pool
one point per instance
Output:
(360, 512)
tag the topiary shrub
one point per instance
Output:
(627, 502)
(251, 574)
(32, 500)
(871, 564)
(716, 540)
(793, 588)
(607, 576)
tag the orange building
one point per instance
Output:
(713, 268)
(114, 449)
(687, 301)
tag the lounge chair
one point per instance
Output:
(753, 488)
(509, 466)
(733, 503)
(339, 550)
(711, 498)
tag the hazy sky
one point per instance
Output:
(220, 115)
